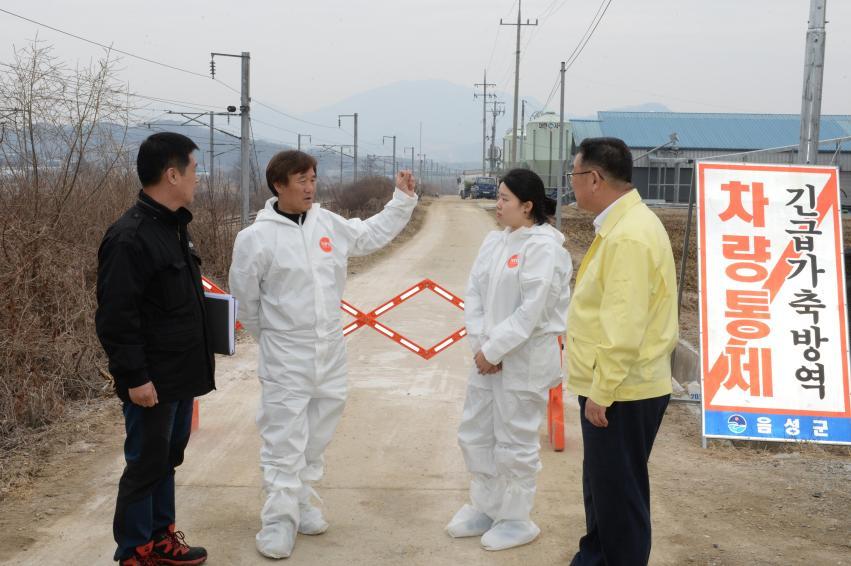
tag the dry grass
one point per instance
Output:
(48, 266)
(65, 175)
(53, 370)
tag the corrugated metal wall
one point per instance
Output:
(655, 178)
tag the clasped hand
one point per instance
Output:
(484, 366)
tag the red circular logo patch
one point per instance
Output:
(325, 244)
(513, 261)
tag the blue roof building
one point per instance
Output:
(664, 172)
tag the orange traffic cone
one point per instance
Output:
(196, 419)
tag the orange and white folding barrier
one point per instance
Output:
(555, 407)
(370, 319)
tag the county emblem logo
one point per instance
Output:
(737, 424)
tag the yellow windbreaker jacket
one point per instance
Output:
(622, 321)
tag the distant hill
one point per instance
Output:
(450, 115)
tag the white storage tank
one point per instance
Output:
(540, 150)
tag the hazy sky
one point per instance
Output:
(690, 55)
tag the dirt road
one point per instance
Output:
(394, 472)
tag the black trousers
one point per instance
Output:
(156, 439)
(616, 484)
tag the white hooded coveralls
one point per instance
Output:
(289, 280)
(515, 310)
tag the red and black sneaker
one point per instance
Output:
(170, 548)
(142, 556)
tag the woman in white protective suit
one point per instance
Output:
(288, 273)
(515, 311)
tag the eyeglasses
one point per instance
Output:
(570, 174)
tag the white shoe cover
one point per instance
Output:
(312, 522)
(468, 522)
(276, 540)
(508, 534)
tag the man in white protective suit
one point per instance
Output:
(288, 273)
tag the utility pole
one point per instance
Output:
(340, 124)
(560, 189)
(332, 149)
(245, 133)
(519, 25)
(210, 169)
(523, 131)
(303, 136)
(813, 74)
(394, 152)
(356, 147)
(412, 148)
(422, 157)
(485, 97)
(195, 118)
(497, 110)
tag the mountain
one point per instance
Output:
(451, 128)
(451, 120)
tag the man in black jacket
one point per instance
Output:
(151, 322)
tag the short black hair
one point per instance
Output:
(609, 154)
(286, 163)
(161, 151)
(527, 186)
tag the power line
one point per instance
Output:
(290, 116)
(254, 150)
(557, 10)
(104, 46)
(77, 83)
(511, 10)
(275, 126)
(577, 51)
(493, 50)
(543, 19)
(166, 65)
(496, 39)
(587, 36)
(169, 101)
(227, 86)
(552, 91)
(187, 104)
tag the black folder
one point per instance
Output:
(221, 321)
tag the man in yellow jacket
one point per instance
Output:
(622, 328)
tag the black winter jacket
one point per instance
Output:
(150, 317)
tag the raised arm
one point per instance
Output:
(379, 230)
